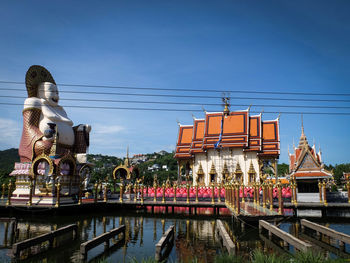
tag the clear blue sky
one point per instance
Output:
(288, 46)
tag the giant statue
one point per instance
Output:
(42, 116)
(51, 150)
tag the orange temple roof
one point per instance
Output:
(237, 130)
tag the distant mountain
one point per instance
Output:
(8, 159)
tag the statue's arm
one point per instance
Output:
(31, 141)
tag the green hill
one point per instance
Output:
(7, 162)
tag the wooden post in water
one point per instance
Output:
(324, 193)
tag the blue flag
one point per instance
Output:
(216, 145)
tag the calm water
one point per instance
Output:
(194, 237)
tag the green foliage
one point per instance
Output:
(338, 170)
(259, 257)
(313, 257)
(7, 162)
(144, 260)
(103, 167)
(226, 258)
(282, 169)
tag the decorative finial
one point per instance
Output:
(293, 144)
(226, 100)
(178, 122)
(204, 109)
(302, 125)
(193, 117)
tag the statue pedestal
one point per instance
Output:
(43, 193)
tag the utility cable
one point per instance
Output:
(191, 103)
(189, 96)
(189, 90)
(187, 110)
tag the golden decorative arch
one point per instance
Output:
(33, 172)
(67, 158)
(122, 167)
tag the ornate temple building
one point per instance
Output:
(306, 166)
(228, 146)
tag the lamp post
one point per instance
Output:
(30, 191)
(121, 191)
(280, 201)
(3, 191)
(174, 187)
(271, 196)
(212, 193)
(58, 194)
(142, 187)
(325, 193)
(163, 193)
(9, 194)
(320, 191)
(188, 193)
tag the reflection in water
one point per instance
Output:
(193, 238)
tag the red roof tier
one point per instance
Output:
(237, 130)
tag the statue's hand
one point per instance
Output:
(87, 127)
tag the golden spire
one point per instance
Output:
(200, 170)
(251, 168)
(238, 169)
(303, 140)
(225, 170)
(212, 169)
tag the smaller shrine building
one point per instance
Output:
(306, 166)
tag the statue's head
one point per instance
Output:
(37, 75)
(49, 92)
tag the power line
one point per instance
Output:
(187, 110)
(190, 96)
(189, 90)
(192, 103)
